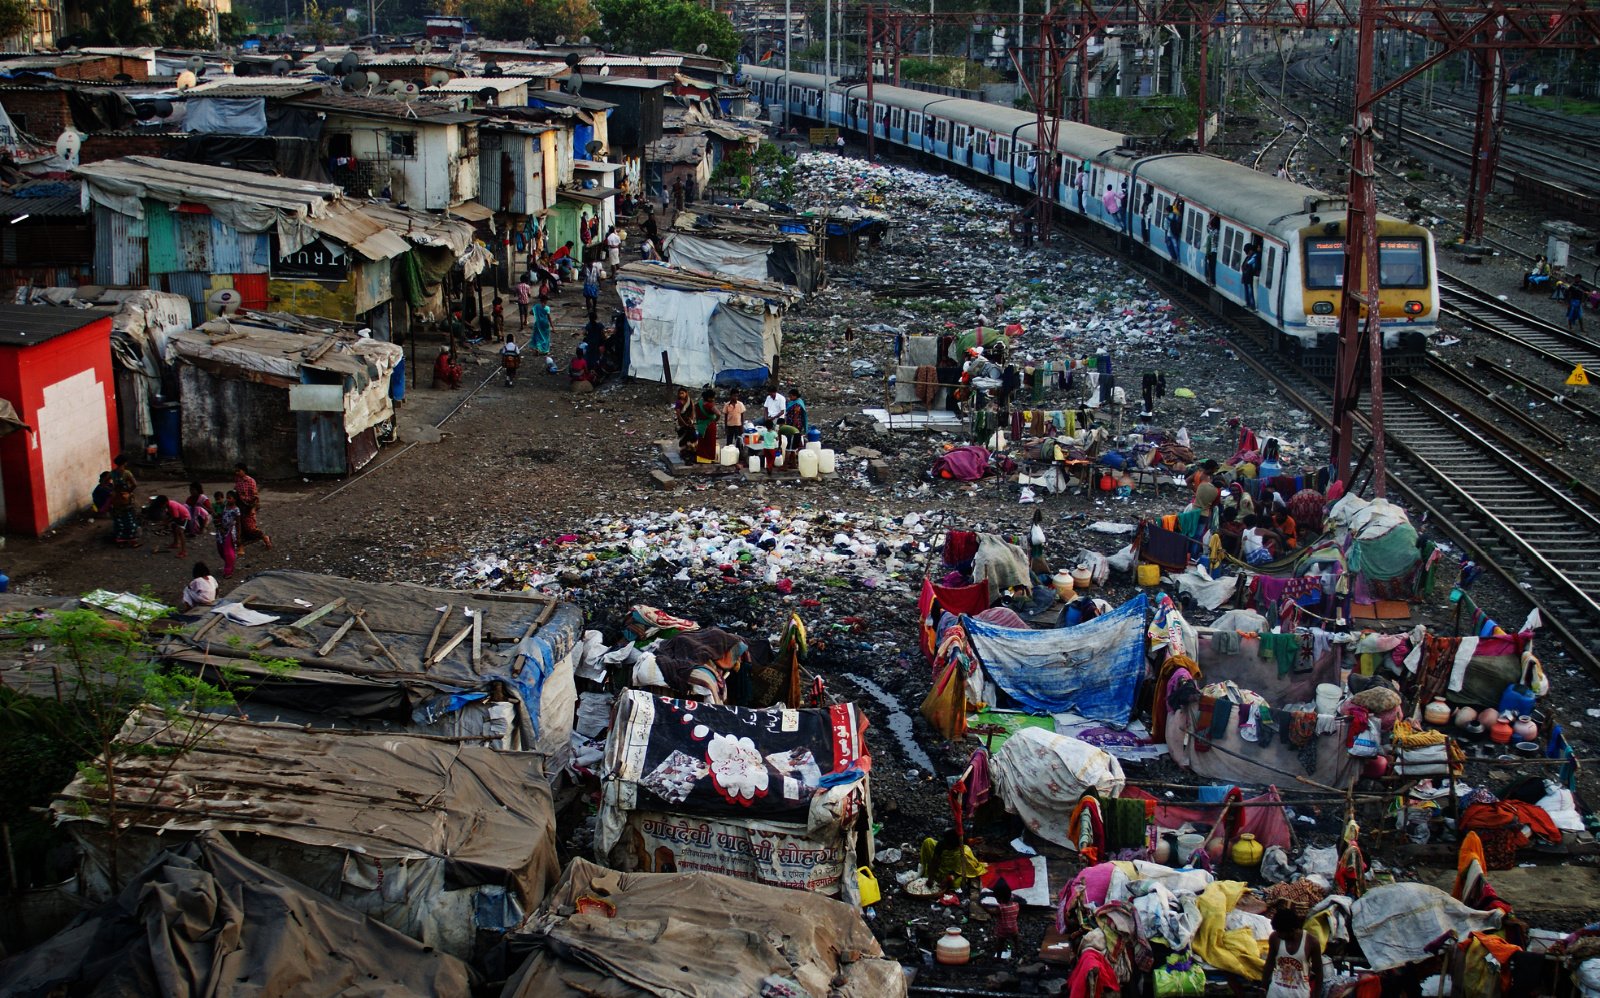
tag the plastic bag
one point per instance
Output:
(1179, 976)
(1366, 742)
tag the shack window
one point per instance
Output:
(402, 145)
(1324, 263)
(1402, 263)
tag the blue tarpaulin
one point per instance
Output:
(1092, 669)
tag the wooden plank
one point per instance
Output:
(477, 637)
(538, 622)
(437, 627)
(362, 620)
(450, 645)
(343, 629)
(318, 613)
(515, 597)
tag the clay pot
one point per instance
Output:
(1437, 713)
(1525, 729)
(1487, 716)
(1465, 716)
(1247, 851)
(953, 947)
(1500, 732)
(1375, 767)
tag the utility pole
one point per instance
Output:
(827, 55)
(788, 39)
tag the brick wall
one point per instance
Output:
(109, 145)
(41, 113)
(105, 69)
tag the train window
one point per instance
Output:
(1272, 265)
(879, 112)
(1194, 227)
(897, 118)
(1324, 264)
(941, 130)
(1402, 263)
(1163, 202)
(1003, 149)
(1024, 153)
(916, 124)
(1232, 248)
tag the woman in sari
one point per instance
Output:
(541, 326)
(683, 417)
(705, 427)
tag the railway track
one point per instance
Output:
(1548, 341)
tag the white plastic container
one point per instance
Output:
(729, 454)
(827, 461)
(1328, 697)
(813, 445)
(755, 462)
(808, 463)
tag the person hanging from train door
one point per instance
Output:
(1248, 271)
(1081, 184)
(1213, 233)
(1145, 209)
(1174, 227)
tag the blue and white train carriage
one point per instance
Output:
(1300, 230)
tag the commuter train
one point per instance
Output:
(1300, 231)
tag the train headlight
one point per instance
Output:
(1322, 308)
(1414, 308)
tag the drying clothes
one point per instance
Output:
(960, 546)
(1088, 829)
(979, 784)
(1220, 717)
(1302, 728)
(1190, 523)
(1174, 671)
(1125, 823)
(1003, 565)
(1166, 548)
(1283, 647)
(925, 383)
(1225, 642)
(1092, 962)
(1266, 726)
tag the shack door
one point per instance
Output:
(319, 428)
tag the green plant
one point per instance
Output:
(948, 71)
(15, 18)
(766, 173)
(98, 669)
(641, 26)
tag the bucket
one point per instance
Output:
(1214, 793)
(1328, 697)
(867, 884)
(755, 462)
(1188, 842)
(808, 464)
(1517, 699)
(729, 455)
(1149, 575)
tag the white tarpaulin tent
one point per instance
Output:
(1040, 776)
(708, 330)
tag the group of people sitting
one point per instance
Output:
(784, 425)
(1240, 527)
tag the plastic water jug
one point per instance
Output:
(827, 461)
(729, 455)
(808, 464)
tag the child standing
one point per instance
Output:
(769, 444)
(499, 316)
(524, 299)
(227, 524)
(1005, 920)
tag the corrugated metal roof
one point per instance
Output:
(43, 198)
(252, 86)
(533, 69)
(632, 60)
(677, 149)
(426, 112)
(26, 325)
(473, 84)
(562, 99)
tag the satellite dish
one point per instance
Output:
(561, 39)
(584, 40)
(196, 65)
(701, 48)
(223, 301)
(395, 86)
(327, 65)
(67, 146)
(409, 91)
(349, 63)
(185, 80)
(605, 70)
(487, 95)
(439, 78)
(573, 84)
(145, 111)
(493, 71)
(280, 67)
(595, 148)
(161, 108)
(354, 81)
(373, 79)
(419, 46)
(527, 43)
(572, 60)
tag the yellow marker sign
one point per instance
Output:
(1578, 376)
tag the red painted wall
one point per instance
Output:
(25, 372)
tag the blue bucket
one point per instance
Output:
(1214, 793)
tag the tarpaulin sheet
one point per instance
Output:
(673, 323)
(1041, 775)
(1393, 922)
(738, 344)
(227, 115)
(717, 256)
(1092, 669)
(734, 934)
(202, 921)
(681, 755)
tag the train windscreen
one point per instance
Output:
(1402, 263)
(1324, 264)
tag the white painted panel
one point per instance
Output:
(73, 441)
(316, 398)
